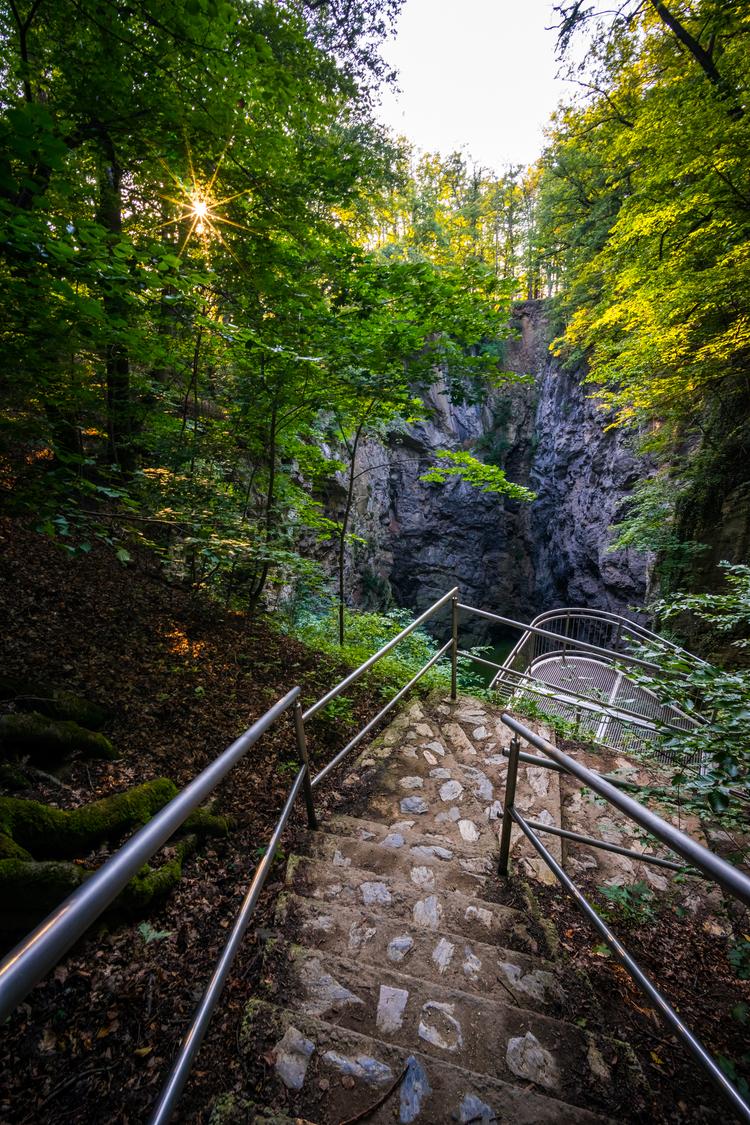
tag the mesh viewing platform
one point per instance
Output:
(570, 663)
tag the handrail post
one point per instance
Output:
(510, 800)
(299, 727)
(454, 646)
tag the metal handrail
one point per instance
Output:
(40, 950)
(36, 954)
(582, 645)
(734, 881)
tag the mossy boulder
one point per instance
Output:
(50, 740)
(47, 832)
(55, 703)
(35, 840)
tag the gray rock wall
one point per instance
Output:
(515, 559)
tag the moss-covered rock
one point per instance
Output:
(45, 831)
(55, 703)
(31, 884)
(50, 740)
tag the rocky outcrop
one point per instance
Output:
(547, 432)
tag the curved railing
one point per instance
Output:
(565, 660)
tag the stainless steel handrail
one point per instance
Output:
(582, 645)
(40, 950)
(734, 881)
(43, 948)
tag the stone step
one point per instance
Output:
(460, 782)
(460, 836)
(431, 867)
(329, 1074)
(488, 1036)
(473, 966)
(397, 901)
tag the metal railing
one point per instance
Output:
(698, 858)
(570, 662)
(40, 950)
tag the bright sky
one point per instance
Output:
(477, 75)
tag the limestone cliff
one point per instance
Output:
(515, 559)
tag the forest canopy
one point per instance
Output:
(215, 264)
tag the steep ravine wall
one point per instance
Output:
(515, 559)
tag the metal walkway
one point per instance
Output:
(570, 663)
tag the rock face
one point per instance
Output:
(515, 559)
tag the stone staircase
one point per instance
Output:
(399, 986)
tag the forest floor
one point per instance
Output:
(183, 678)
(93, 1042)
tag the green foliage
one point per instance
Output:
(633, 903)
(643, 217)
(718, 698)
(368, 632)
(166, 381)
(487, 478)
(149, 934)
(739, 959)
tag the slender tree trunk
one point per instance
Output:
(119, 405)
(260, 581)
(345, 522)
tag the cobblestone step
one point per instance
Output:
(397, 900)
(329, 1074)
(382, 943)
(489, 1035)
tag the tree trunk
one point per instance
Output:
(119, 406)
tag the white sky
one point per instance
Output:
(477, 75)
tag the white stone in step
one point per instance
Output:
(427, 912)
(481, 785)
(409, 752)
(538, 779)
(438, 1025)
(424, 878)
(494, 811)
(340, 860)
(479, 914)
(393, 840)
(322, 991)
(323, 923)
(416, 805)
(391, 1005)
(472, 716)
(443, 953)
(469, 831)
(292, 1054)
(449, 817)
(451, 791)
(363, 834)
(472, 965)
(414, 1089)
(436, 748)
(476, 865)
(423, 730)
(411, 783)
(375, 894)
(538, 984)
(430, 851)
(402, 826)
(473, 1109)
(440, 773)
(364, 1067)
(528, 1059)
(458, 739)
(398, 947)
(480, 734)
(429, 758)
(359, 934)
